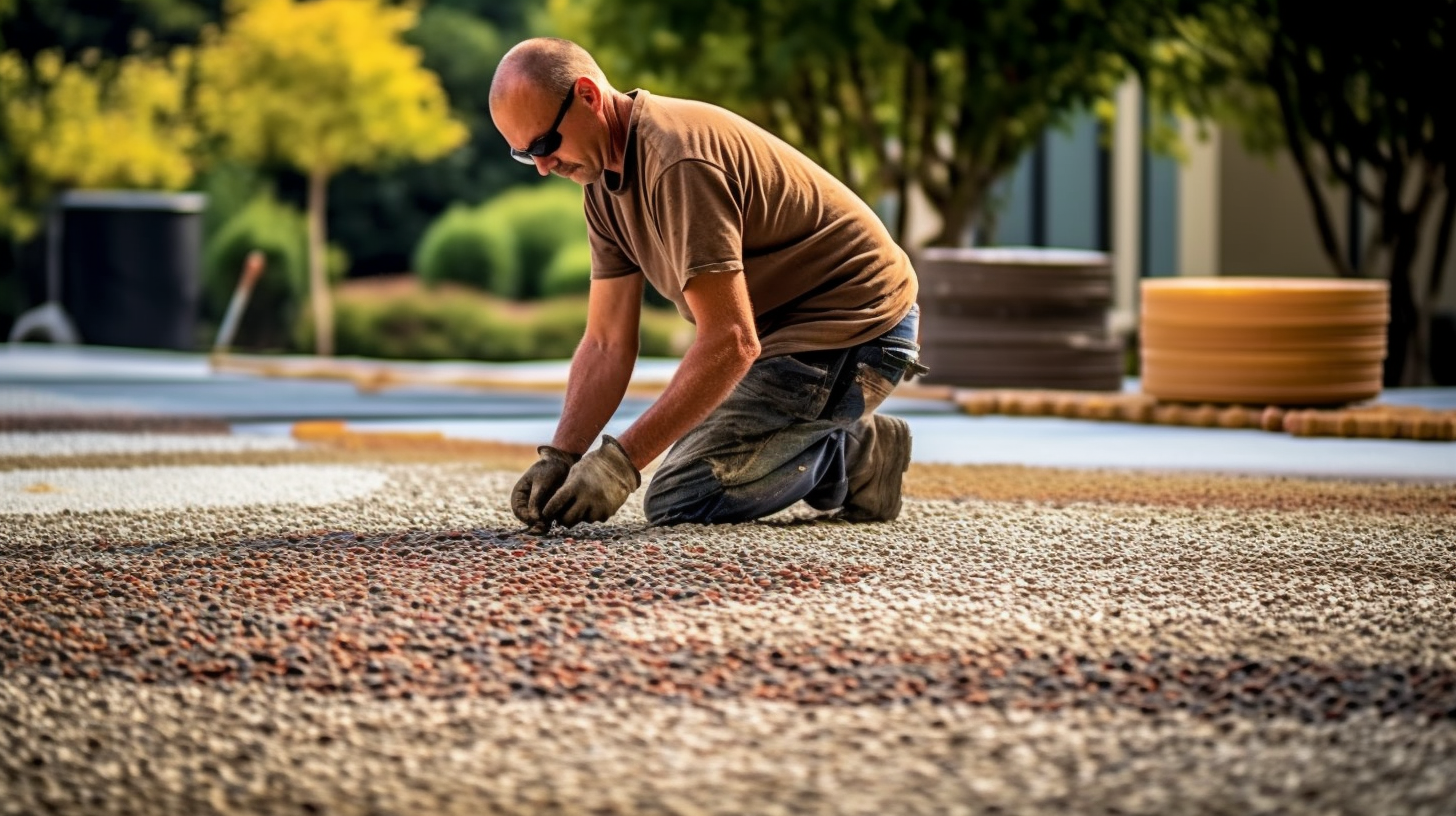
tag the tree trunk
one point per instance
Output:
(1404, 314)
(318, 273)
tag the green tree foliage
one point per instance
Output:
(95, 123)
(323, 86)
(94, 38)
(1354, 97)
(380, 214)
(944, 95)
(112, 29)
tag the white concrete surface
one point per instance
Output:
(80, 490)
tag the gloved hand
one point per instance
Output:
(596, 488)
(540, 483)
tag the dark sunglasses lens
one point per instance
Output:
(544, 146)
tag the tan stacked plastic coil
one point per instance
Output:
(1017, 318)
(1263, 341)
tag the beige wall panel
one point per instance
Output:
(1198, 202)
(1266, 225)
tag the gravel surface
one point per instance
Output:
(1020, 641)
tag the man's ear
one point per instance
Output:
(589, 92)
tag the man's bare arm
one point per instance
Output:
(725, 347)
(602, 366)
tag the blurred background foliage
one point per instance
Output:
(943, 96)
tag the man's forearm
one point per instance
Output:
(706, 376)
(594, 388)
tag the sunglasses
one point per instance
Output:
(548, 142)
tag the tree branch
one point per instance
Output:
(937, 190)
(1346, 172)
(1443, 241)
(865, 112)
(1294, 136)
(907, 159)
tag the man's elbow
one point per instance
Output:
(741, 348)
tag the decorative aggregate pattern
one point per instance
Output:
(1138, 644)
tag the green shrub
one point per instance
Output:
(664, 333)
(464, 247)
(229, 187)
(456, 324)
(509, 246)
(557, 327)
(569, 272)
(544, 218)
(280, 232)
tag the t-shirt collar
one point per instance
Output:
(621, 184)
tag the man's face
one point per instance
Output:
(525, 120)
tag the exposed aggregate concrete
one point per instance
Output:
(110, 747)
(1227, 646)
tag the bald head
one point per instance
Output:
(552, 104)
(545, 65)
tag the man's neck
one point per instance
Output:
(619, 121)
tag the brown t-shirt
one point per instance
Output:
(704, 190)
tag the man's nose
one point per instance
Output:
(544, 164)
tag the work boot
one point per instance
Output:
(878, 453)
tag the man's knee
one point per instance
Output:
(681, 495)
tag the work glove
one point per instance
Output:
(540, 483)
(596, 488)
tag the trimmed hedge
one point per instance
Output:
(454, 323)
(463, 247)
(508, 245)
(546, 219)
(569, 272)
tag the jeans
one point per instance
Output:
(780, 435)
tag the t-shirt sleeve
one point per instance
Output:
(607, 258)
(699, 220)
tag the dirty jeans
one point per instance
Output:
(780, 435)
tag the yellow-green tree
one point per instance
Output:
(322, 86)
(93, 123)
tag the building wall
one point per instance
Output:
(1247, 214)
(1219, 211)
(1266, 226)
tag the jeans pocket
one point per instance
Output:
(784, 385)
